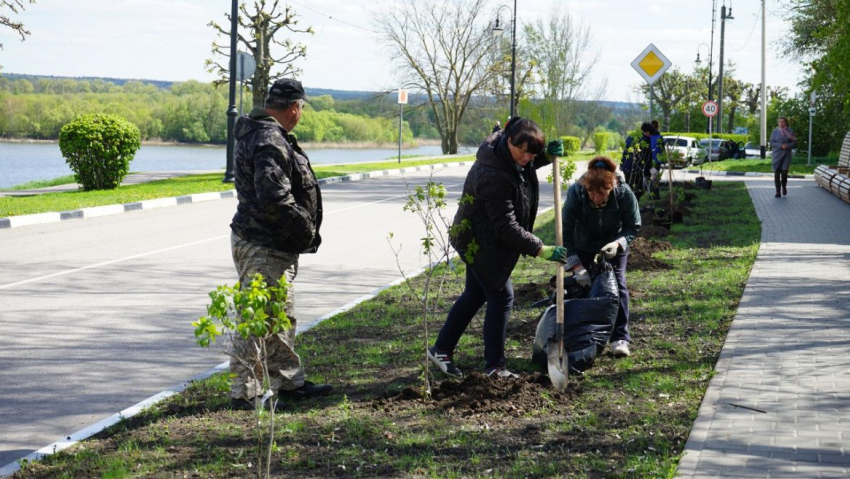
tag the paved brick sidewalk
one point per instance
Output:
(779, 405)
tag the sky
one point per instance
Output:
(169, 39)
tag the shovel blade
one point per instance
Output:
(558, 368)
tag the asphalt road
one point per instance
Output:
(96, 313)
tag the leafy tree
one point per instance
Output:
(733, 91)
(562, 52)
(669, 91)
(259, 30)
(443, 50)
(820, 39)
(524, 75)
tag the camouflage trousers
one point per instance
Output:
(285, 371)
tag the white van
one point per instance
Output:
(688, 147)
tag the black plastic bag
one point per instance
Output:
(588, 323)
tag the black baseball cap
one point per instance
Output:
(287, 89)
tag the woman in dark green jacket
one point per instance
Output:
(601, 215)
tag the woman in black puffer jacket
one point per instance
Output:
(492, 228)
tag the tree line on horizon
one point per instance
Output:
(187, 112)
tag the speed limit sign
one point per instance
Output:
(709, 108)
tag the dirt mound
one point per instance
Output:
(478, 393)
(649, 231)
(641, 251)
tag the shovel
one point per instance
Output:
(557, 363)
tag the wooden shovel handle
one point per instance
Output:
(559, 241)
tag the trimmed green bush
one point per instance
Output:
(99, 148)
(600, 142)
(572, 144)
(698, 136)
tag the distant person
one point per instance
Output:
(497, 127)
(601, 216)
(277, 219)
(504, 190)
(652, 142)
(631, 168)
(734, 150)
(783, 140)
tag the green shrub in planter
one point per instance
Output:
(99, 148)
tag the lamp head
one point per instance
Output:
(497, 28)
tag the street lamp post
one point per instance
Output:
(698, 62)
(231, 110)
(497, 30)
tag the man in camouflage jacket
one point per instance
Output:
(277, 219)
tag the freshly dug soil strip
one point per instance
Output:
(641, 251)
(477, 393)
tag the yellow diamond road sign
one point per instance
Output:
(651, 64)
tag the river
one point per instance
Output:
(24, 162)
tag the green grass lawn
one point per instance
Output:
(625, 418)
(798, 165)
(185, 185)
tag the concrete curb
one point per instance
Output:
(93, 212)
(743, 173)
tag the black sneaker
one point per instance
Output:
(308, 390)
(443, 361)
(499, 372)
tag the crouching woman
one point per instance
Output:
(601, 215)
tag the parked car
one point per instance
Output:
(686, 150)
(720, 149)
(752, 150)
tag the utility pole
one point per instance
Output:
(513, 59)
(763, 89)
(710, 55)
(723, 18)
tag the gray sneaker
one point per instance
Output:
(620, 349)
(499, 372)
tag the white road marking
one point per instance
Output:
(113, 261)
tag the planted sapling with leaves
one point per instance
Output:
(253, 313)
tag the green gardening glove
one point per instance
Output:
(555, 148)
(554, 253)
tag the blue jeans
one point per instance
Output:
(499, 304)
(621, 327)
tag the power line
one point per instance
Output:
(332, 18)
(758, 15)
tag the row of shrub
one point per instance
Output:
(700, 136)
